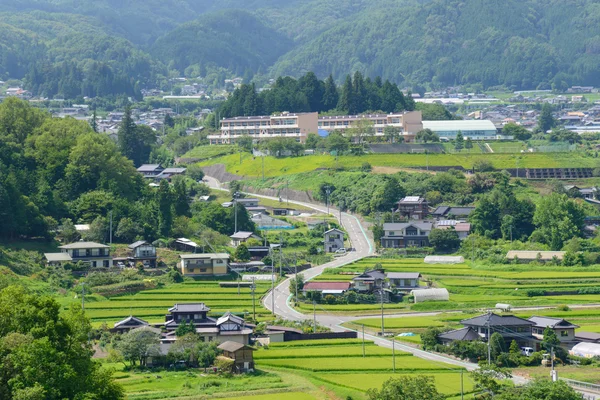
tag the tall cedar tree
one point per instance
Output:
(546, 120)
(165, 209)
(127, 135)
(94, 123)
(181, 204)
(346, 100)
(330, 95)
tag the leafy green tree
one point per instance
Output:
(417, 387)
(516, 131)
(139, 345)
(185, 328)
(546, 121)
(94, 122)
(488, 378)
(126, 135)
(169, 122)
(391, 133)
(427, 135)
(128, 230)
(245, 143)
(68, 233)
(242, 253)
(207, 352)
(540, 389)
(164, 199)
(468, 144)
(195, 172)
(558, 219)
(433, 112)
(336, 142)
(45, 353)
(387, 195)
(551, 343)
(459, 142)
(99, 230)
(312, 141)
(296, 283)
(514, 348)
(497, 345)
(429, 338)
(444, 240)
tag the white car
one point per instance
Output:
(526, 351)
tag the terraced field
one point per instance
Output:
(341, 365)
(152, 305)
(477, 286)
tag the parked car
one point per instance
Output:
(526, 351)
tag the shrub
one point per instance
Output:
(563, 307)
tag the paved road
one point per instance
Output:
(363, 246)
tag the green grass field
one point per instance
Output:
(252, 167)
(207, 152)
(152, 305)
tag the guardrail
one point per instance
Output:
(588, 387)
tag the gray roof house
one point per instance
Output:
(150, 170)
(565, 331)
(403, 235)
(467, 333)
(400, 280)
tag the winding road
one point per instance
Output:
(363, 247)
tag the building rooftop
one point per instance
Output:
(57, 257)
(412, 199)
(232, 347)
(460, 125)
(228, 316)
(212, 256)
(242, 235)
(370, 275)
(460, 334)
(84, 245)
(129, 319)
(189, 307)
(334, 230)
(398, 226)
(491, 319)
(588, 336)
(403, 275)
(149, 167)
(544, 322)
(137, 244)
(326, 286)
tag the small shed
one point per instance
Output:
(587, 350)
(430, 295)
(241, 354)
(444, 260)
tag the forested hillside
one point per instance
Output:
(108, 47)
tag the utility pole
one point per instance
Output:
(296, 275)
(341, 206)
(363, 342)
(382, 323)
(393, 356)
(235, 196)
(472, 249)
(263, 167)
(287, 192)
(328, 191)
(314, 316)
(488, 343)
(280, 253)
(253, 300)
(462, 386)
(110, 235)
(272, 284)
(392, 215)
(83, 295)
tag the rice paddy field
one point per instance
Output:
(342, 365)
(252, 167)
(152, 305)
(476, 286)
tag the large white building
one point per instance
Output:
(474, 129)
(299, 125)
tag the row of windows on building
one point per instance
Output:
(254, 132)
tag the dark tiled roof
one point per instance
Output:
(233, 346)
(441, 210)
(137, 244)
(189, 307)
(403, 275)
(461, 210)
(370, 275)
(460, 334)
(588, 336)
(544, 322)
(491, 319)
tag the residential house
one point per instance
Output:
(143, 252)
(128, 324)
(510, 327)
(413, 207)
(467, 333)
(150, 170)
(241, 354)
(242, 237)
(94, 254)
(248, 202)
(167, 173)
(280, 212)
(403, 235)
(369, 281)
(334, 240)
(461, 228)
(532, 255)
(184, 244)
(586, 193)
(587, 337)
(258, 252)
(266, 222)
(449, 212)
(204, 264)
(333, 288)
(404, 280)
(228, 327)
(57, 259)
(565, 331)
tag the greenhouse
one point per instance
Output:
(587, 350)
(430, 295)
(444, 260)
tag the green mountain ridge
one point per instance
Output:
(438, 43)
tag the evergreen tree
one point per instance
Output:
(127, 136)
(181, 204)
(346, 98)
(359, 95)
(169, 122)
(409, 102)
(546, 121)
(330, 95)
(459, 142)
(242, 253)
(468, 144)
(313, 89)
(94, 123)
(165, 212)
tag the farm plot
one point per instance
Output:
(371, 350)
(152, 305)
